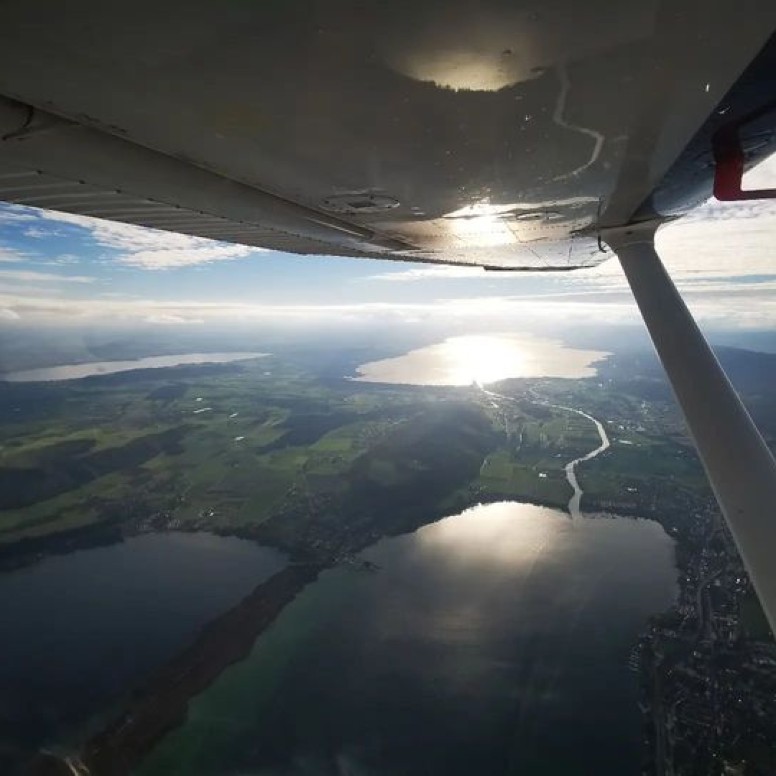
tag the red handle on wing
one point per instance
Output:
(730, 161)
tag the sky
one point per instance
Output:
(62, 268)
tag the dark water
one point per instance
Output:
(80, 630)
(492, 642)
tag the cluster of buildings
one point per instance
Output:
(708, 666)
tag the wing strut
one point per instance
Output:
(739, 465)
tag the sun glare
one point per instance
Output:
(484, 359)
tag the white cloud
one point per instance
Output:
(65, 259)
(125, 237)
(762, 176)
(153, 249)
(173, 258)
(36, 233)
(730, 211)
(431, 273)
(11, 214)
(174, 320)
(30, 276)
(23, 290)
(723, 259)
(713, 209)
(753, 311)
(8, 315)
(712, 248)
(9, 255)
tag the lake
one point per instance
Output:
(78, 371)
(495, 641)
(482, 359)
(80, 630)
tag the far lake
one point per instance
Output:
(81, 630)
(482, 359)
(495, 641)
(77, 371)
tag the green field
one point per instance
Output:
(266, 449)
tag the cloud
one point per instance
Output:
(731, 211)
(36, 233)
(13, 214)
(23, 289)
(173, 258)
(752, 311)
(8, 315)
(713, 210)
(175, 320)
(761, 176)
(431, 273)
(721, 258)
(30, 276)
(715, 249)
(9, 255)
(152, 249)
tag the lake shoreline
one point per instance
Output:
(26, 552)
(162, 703)
(89, 369)
(482, 359)
(448, 515)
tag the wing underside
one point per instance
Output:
(505, 135)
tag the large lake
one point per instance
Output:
(80, 630)
(495, 641)
(77, 371)
(482, 359)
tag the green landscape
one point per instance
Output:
(321, 467)
(286, 451)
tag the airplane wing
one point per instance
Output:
(501, 134)
(505, 134)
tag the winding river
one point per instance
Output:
(571, 466)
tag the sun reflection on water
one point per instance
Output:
(505, 534)
(482, 359)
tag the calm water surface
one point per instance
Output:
(482, 359)
(495, 642)
(77, 371)
(80, 630)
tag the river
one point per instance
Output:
(94, 368)
(570, 468)
(484, 359)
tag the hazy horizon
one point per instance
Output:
(71, 271)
